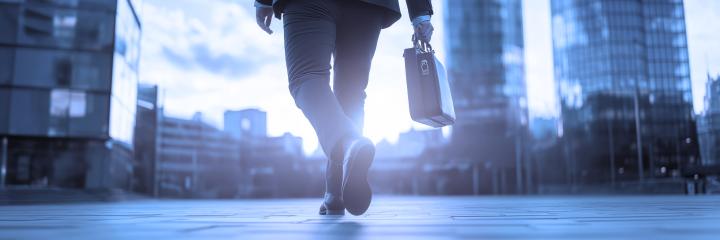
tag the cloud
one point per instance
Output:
(175, 58)
(202, 57)
(220, 43)
(209, 56)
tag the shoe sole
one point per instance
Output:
(357, 194)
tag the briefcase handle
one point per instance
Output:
(422, 47)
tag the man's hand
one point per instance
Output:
(263, 17)
(424, 31)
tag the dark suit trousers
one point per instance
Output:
(317, 31)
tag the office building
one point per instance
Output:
(709, 124)
(415, 165)
(68, 76)
(246, 123)
(623, 77)
(145, 139)
(196, 160)
(546, 161)
(486, 70)
(276, 167)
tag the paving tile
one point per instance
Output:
(527, 217)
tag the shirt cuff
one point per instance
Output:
(258, 4)
(419, 19)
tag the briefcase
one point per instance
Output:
(428, 87)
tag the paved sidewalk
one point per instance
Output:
(621, 217)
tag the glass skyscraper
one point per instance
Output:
(68, 85)
(486, 69)
(709, 124)
(624, 83)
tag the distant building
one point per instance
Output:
(276, 167)
(623, 76)
(272, 166)
(145, 139)
(709, 124)
(415, 164)
(410, 144)
(485, 65)
(543, 128)
(196, 160)
(547, 164)
(68, 76)
(247, 123)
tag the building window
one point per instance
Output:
(30, 115)
(6, 64)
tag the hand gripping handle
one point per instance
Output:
(422, 46)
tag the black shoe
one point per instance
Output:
(332, 205)
(356, 191)
(332, 202)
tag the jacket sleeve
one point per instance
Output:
(419, 8)
(265, 2)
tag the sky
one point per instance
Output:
(209, 56)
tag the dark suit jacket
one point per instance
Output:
(415, 8)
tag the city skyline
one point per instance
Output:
(193, 54)
(79, 118)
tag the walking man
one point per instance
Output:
(347, 32)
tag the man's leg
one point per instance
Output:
(357, 36)
(310, 34)
(358, 28)
(309, 42)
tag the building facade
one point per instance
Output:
(145, 139)
(272, 166)
(624, 83)
(246, 123)
(68, 76)
(486, 69)
(277, 167)
(709, 124)
(196, 160)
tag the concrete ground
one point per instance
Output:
(527, 217)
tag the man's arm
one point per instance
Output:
(420, 12)
(263, 2)
(418, 8)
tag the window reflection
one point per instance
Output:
(77, 105)
(88, 114)
(637, 77)
(66, 28)
(64, 25)
(125, 78)
(59, 106)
